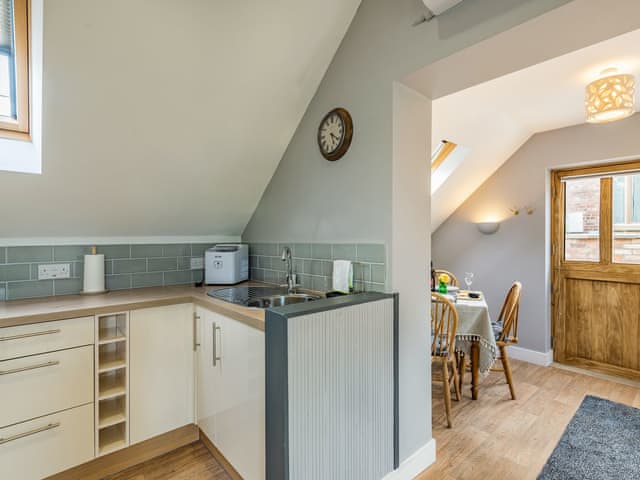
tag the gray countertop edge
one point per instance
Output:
(326, 304)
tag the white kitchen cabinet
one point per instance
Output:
(24, 340)
(230, 386)
(46, 445)
(161, 362)
(37, 385)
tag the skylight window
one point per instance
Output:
(445, 159)
(441, 153)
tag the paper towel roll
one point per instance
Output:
(93, 273)
(342, 276)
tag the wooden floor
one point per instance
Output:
(495, 437)
(193, 462)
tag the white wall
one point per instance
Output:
(410, 227)
(164, 117)
(520, 249)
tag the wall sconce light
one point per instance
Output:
(488, 228)
(515, 210)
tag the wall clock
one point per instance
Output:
(335, 133)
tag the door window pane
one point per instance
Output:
(619, 194)
(582, 220)
(635, 198)
(626, 219)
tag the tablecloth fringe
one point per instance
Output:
(483, 342)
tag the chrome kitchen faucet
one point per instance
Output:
(291, 277)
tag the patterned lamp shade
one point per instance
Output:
(610, 98)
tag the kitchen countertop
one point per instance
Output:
(22, 312)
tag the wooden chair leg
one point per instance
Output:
(456, 382)
(447, 391)
(462, 369)
(507, 371)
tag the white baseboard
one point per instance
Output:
(531, 356)
(416, 463)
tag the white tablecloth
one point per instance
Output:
(474, 324)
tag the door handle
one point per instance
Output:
(30, 367)
(17, 436)
(215, 356)
(196, 317)
(27, 335)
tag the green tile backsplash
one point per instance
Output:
(126, 266)
(29, 254)
(147, 279)
(15, 272)
(42, 288)
(130, 265)
(313, 264)
(133, 266)
(70, 253)
(144, 251)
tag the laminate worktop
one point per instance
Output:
(22, 312)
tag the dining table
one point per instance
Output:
(475, 337)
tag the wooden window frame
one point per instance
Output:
(605, 264)
(19, 128)
(445, 149)
(604, 195)
(628, 224)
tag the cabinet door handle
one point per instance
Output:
(17, 436)
(196, 317)
(216, 358)
(27, 335)
(30, 367)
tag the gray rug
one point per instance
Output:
(601, 442)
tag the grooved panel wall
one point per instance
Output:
(341, 393)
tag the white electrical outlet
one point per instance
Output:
(59, 270)
(197, 263)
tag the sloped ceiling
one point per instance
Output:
(165, 117)
(496, 118)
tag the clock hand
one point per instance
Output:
(333, 136)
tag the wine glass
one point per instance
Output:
(468, 279)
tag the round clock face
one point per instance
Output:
(335, 133)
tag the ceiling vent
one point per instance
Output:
(439, 6)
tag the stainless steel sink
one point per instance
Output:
(281, 300)
(261, 297)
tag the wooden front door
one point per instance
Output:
(596, 268)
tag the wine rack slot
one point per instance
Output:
(112, 382)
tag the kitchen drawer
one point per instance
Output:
(41, 384)
(44, 337)
(38, 448)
